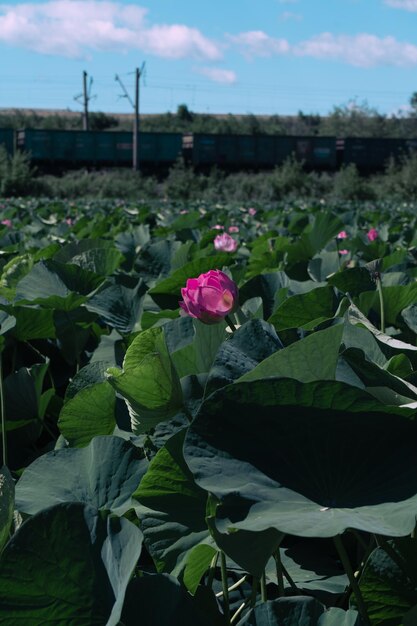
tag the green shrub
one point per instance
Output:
(16, 174)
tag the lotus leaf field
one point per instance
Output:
(246, 458)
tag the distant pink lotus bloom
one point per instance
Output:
(210, 297)
(343, 251)
(217, 227)
(225, 243)
(69, 221)
(233, 229)
(372, 234)
(342, 235)
(183, 212)
(7, 223)
(252, 211)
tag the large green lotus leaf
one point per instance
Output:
(130, 242)
(381, 383)
(396, 298)
(98, 260)
(311, 567)
(356, 317)
(323, 265)
(68, 565)
(148, 382)
(7, 321)
(198, 562)
(154, 259)
(7, 491)
(87, 376)
(173, 517)
(250, 550)
(264, 286)
(89, 413)
(32, 323)
(55, 285)
(299, 611)
(308, 459)
(316, 235)
(355, 336)
(305, 310)
(242, 352)
(72, 331)
(159, 599)
(117, 305)
(103, 475)
(409, 315)
(312, 358)
(389, 582)
(94, 255)
(353, 280)
(167, 292)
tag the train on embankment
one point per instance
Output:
(69, 149)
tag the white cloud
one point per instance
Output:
(74, 28)
(407, 5)
(256, 43)
(361, 50)
(289, 15)
(218, 75)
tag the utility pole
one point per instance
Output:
(86, 97)
(136, 118)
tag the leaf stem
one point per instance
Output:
(264, 595)
(280, 579)
(231, 325)
(226, 609)
(352, 579)
(3, 414)
(212, 570)
(381, 302)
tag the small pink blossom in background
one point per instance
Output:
(252, 211)
(69, 221)
(217, 227)
(7, 223)
(342, 235)
(210, 297)
(372, 234)
(233, 229)
(343, 251)
(183, 212)
(225, 243)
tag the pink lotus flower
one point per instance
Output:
(343, 251)
(372, 234)
(233, 229)
(225, 243)
(183, 212)
(210, 297)
(252, 211)
(7, 223)
(69, 221)
(217, 227)
(342, 235)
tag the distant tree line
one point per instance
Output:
(351, 120)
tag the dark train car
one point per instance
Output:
(236, 151)
(317, 153)
(97, 148)
(371, 154)
(7, 139)
(258, 151)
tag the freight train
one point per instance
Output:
(63, 149)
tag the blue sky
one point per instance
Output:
(218, 56)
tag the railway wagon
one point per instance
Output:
(97, 148)
(258, 151)
(370, 154)
(7, 139)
